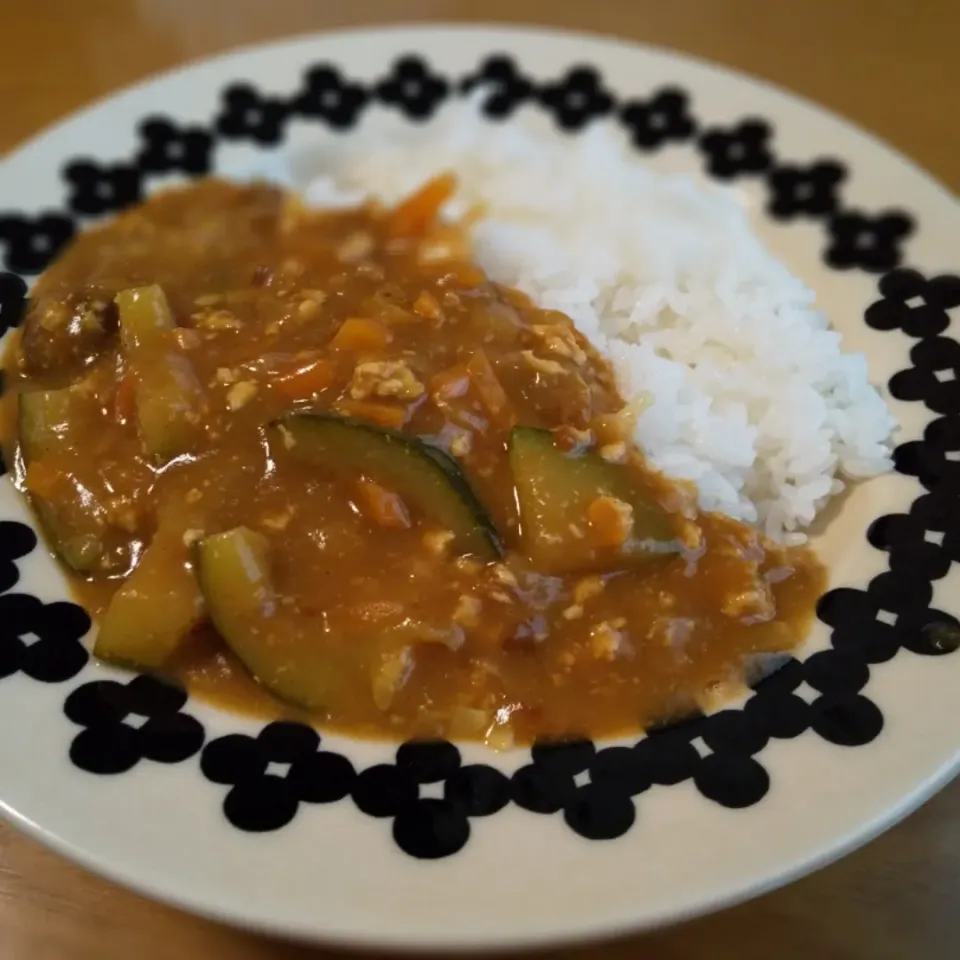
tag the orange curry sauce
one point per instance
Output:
(378, 317)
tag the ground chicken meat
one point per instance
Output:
(385, 378)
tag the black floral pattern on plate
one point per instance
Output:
(576, 99)
(737, 151)
(246, 115)
(168, 148)
(430, 796)
(935, 460)
(424, 825)
(127, 723)
(594, 788)
(33, 242)
(16, 541)
(811, 191)
(775, 705)
(870, 242)
(506, 88)
(13, 302)
(96, 189)
(329, 97)
(859, 629)
(914, 304)
(271, 774)
(41, 640)
(913, 550)
(413, 88)
(872, 626)
(664, 118)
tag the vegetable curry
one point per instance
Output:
(316, 462)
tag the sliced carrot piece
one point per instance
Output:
(384, 507)
(42, 479)
(379, 413)
(307, 381)
(415, 214)
(611, 521)
(358, 333)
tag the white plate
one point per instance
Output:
(571, 845)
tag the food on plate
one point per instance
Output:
(316, 462)
(740, 384)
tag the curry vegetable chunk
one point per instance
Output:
(422, 474)
(74, 517)
(580, 511)
(316, 464)
(234, 573)
(169, 400)
(159, 604)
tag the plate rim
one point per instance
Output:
(602, 931)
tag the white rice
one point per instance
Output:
(743, 385)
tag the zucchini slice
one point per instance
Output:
(169, 402)
(43, 419)
(75, 526)
(554, 491)
(145, 316)
(423, 475)
(234, 576)
(169, 397)
(157, 606)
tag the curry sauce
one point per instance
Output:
(317, 463)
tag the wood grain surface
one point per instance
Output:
(886, 64)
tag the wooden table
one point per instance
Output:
(889, 65)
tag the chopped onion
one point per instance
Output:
(394, 670)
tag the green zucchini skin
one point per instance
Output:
(426, 477)
(169, 398)
(233, 573)
(157, 606)
(43, 418)
(554, 489)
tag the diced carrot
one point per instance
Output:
(125, 399)
(358, 333)
(611, 521)
(490, 390)
(42, 479)
(306, 381)
(380, 413)
(415, 214)
(384, 507)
